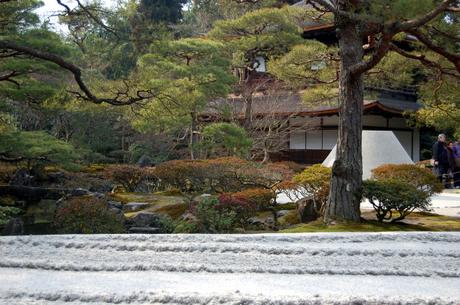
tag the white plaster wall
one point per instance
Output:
(314, 139)
(329, 139)
(379, 147)
(297, 140)
(405, 138)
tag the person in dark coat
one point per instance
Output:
(456, 150)
(441, 159)
(451, 159)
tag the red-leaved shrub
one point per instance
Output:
(87, 215)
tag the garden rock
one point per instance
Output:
(116, 211)
(144, 230)
(145, 219)
(115, 204)
(22, 177)
(79, 192)
(146, 223)
(306, 209)
(282, 213)
(254, 221)
(56, 176)
(135, 206)
(145, 161)
(14, 227)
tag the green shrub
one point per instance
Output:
(315, 180)
(131, 177)
(291, 218)
(38, 148)
(186, 227)
(188, 176)
(393, 200)
(167, 224)
(211, 218)
(241, 207)
(8, 200)
(6, 213)
(6, 172)
(421, 178)
(87, 215)
(220, 175)
(225, 138)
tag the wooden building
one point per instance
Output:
(314, 129)
(313, 143)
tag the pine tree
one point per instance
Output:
(368, 32)
(186, 74)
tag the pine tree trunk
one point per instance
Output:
(345, 189)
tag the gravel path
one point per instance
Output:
(295, 269)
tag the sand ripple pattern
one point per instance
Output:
(232, 269)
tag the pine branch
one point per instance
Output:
(122, 97)
(424, 19)
(422, 58)
(452, 57)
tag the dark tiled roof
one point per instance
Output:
(292, 104)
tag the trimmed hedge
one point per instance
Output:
(393, 200)
(421, 178)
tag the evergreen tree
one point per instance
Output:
(186, 74)
(153, 20)
(168, 11)
(260, 35)
(384, 26)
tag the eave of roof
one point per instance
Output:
(315, 27)
(384, 107)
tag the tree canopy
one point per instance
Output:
(147, 58)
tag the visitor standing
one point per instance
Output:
(456, 150)
(451, 159)
(440, 159)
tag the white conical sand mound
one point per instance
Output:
(379, 147)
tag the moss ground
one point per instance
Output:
(414, 222)
(173, 206)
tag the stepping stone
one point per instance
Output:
(144, 230)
